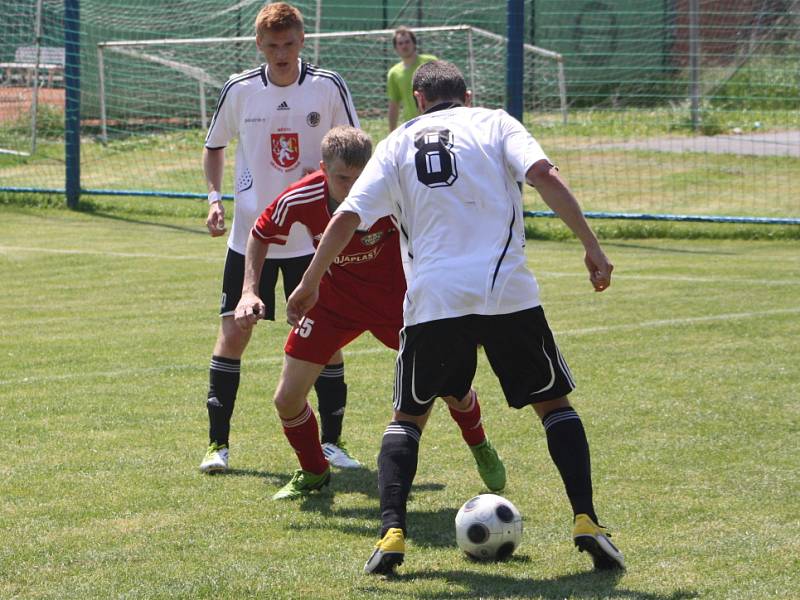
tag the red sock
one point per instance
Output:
(470, 421)
(303, 435)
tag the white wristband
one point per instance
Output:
(214, 196)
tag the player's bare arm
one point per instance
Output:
(557, 195)
(250, 308)
(213, 166)
(394, 114)
(336, 236)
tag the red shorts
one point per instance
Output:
(321, 333)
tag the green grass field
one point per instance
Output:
(687, 385)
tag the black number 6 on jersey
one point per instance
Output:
(436, 164)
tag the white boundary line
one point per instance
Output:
(279, 359)
(4, 249)
(683, 321)
(686, 278)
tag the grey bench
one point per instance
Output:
(21, 71)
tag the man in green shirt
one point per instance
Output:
(398, 79)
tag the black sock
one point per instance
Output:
(569, 449)
(223, 383)
(331, 401)
(397, 466)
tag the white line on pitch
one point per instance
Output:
(383, 349)
(107, 253)
(720, 279)
(277, 359)
(683, 321)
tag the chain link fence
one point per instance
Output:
(668, 107)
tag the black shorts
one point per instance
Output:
(439, 358)
(233, 279)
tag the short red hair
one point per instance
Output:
(278, 16)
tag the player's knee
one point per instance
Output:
(288, 404)
(544, 408)
(232, 339)
(459, 403)
(418, 420)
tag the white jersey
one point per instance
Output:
(451, 178)
(280, 129)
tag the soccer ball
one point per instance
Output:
(488, 527)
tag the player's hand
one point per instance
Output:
(599, 268)
(302, 300)
(216, 219)
(249, 310)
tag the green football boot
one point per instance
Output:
(490, 466)
(302, 484)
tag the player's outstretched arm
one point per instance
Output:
(554, 191)
(336, 236)
(213, 166)
(250, 308)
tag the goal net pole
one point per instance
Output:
(543, 52)
(35, 78)
(317, 23)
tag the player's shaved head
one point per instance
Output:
(350, 145)
(278, 16)
(439, 81)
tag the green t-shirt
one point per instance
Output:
(398, 85)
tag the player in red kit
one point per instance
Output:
(362, 291)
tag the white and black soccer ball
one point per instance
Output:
(488, 527)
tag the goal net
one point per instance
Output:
(162, 84)
(29, 72)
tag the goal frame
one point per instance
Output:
(137, 49)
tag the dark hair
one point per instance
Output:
(403, 30)
(440, 80)
(348, 144)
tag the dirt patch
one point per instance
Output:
(15, 102)
(779, 143)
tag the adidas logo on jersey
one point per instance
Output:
(283, 106)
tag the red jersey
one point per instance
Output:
(366, 283)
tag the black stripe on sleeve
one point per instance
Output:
(263, 71)
(224, 94)
(341, 86)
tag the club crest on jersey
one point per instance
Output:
(313, 119)
(371, 238)
(285, 150)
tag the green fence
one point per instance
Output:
(648, 131)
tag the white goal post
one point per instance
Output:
(483, 50)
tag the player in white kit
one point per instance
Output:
(451, 178)
(280, 112)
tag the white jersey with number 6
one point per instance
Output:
(451, 179)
